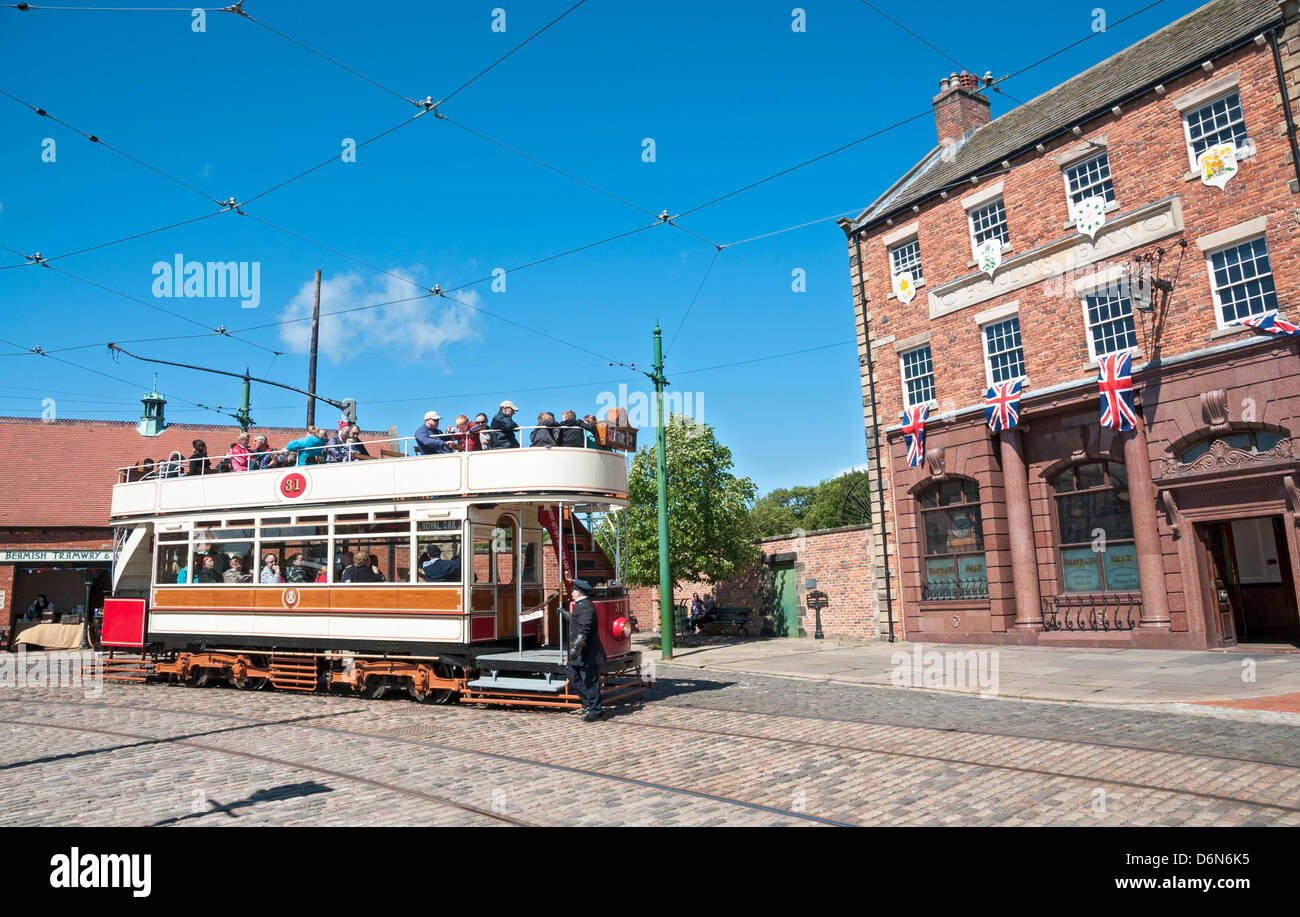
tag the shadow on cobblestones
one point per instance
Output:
(271, 794)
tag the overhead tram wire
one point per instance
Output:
(707, 271)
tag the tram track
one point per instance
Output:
(621, 722)
(954, 730)
(476, 752)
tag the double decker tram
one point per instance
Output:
(421, 574)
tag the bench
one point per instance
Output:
(730, 620)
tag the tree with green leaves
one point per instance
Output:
(709, 529)
(839, 501)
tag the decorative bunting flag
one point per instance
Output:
(1115, 379)
(1217, 164)
(914, 433)
(1270, 323)
(1002, 405)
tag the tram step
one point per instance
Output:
(503, 683)
(293, 673)
(131, 669)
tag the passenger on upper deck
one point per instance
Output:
(199, 463)
(239, 452)
(174, 466)
(504, 427)
(261, 454)
(573, 432)
(428, 438)
(546, 431)
(309, 447)
(467, 439)
(484, 434)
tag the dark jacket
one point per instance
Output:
(583, 622)
(430, 442)
(355, 574)
(199, 464)
(572, 433)
(503, 432)
(547, 434)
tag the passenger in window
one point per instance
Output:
(270, 570)
(504, 427)
(308, 448)
(239, 452)
(437, 569)
(429, 439)
(547, 428)
(199, 463)
(297, 571)
(183, 574)
(208, 572)
(362, 571)
(261, 455)
(236, 572)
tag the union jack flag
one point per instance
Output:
(1002, 405)
(1270, 323)
(914, 433)
(1115, 379)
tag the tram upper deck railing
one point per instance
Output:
(387, 474)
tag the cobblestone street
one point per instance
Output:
(703, 747)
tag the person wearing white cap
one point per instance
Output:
(428, 438)
(503, 427)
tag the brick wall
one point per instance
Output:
(839, 559)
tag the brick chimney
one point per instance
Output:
(959, 106)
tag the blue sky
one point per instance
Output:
(727, 90)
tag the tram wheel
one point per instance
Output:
(376, 687)
(435, 695)
(248, 684)
(200, 680)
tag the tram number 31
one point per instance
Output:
(293, 485)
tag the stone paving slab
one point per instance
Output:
(1107, 676)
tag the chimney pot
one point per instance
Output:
(959, 107)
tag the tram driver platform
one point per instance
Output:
(547, 662)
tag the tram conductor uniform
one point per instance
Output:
(586, 653)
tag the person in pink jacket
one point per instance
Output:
(239, 453)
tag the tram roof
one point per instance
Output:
(61, 473)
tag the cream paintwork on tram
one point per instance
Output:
(467, 493)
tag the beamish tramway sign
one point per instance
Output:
(54, 557)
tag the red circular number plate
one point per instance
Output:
(293, 485)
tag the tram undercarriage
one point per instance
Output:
(489, 675)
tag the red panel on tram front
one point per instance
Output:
(607, 612)
(123, 622)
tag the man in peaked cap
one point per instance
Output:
(586, 653)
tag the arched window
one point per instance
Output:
(954, 542)
(1096, 528)
(1253, 441)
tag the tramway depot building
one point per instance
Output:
(1145, 207)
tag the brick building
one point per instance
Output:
(1182, 532)
(775, 588)
(57, 479)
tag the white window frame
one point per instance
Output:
(1070, 192)
(988, 357)
(914, 240)
(1243, 149)
(1214, 291)
(908, 403)
(1101, 289)
(970, 223)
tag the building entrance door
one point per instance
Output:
(1250, 572)
(785, 608)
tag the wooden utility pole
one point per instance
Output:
(311, 365)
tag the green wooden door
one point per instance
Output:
(785, 621)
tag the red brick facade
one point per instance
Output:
(1183, 351)
(839, 559)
